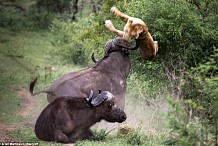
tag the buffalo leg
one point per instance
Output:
(88, 135)
(61, 137)
(81, 135)
(63, 125)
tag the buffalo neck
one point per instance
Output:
(116, 62)
(84, 112)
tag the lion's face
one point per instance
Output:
(132, 30)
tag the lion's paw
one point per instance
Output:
(113, 9)
(109, 25)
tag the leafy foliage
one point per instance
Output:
(56, 6)
(186, 39)
(185, 129)
(77, 40)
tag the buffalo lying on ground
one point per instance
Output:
(108, 74)
(68, 119)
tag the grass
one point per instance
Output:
(13, 75)
(15, 70)
(25, 55)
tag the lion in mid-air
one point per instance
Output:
(136, 29)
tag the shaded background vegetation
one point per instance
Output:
(185, 70)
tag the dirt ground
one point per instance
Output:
(29, 103)
(4, 128)
(28, 106)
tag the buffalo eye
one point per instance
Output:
(110, 105)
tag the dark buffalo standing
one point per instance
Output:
(108, 74)
(68, 119)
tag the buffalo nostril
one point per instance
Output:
(123, 117)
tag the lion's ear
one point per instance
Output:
(130, 21)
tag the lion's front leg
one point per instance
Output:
(111, 27)
(122, 16)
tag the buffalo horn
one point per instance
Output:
(93, 58)
(99, 99)
(135, 47)
(128, 46)
(90, 96)
(105, 95)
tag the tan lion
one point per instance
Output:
(136, 29)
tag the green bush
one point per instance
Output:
(78, 40)
(187, 129)
(68, 36)
(25, 20)
(186, 38)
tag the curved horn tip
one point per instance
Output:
(93, 58)
(90, 96)
(136, 46)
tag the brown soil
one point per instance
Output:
(4, 128)
(29, 102)
(27, 109)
